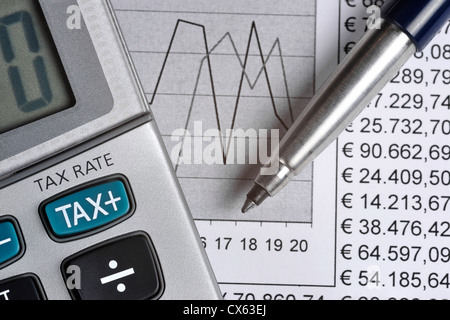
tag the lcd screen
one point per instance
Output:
(33, 83)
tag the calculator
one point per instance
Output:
(90, 207)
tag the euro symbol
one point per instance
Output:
(345, 277)
(347, 175)
(350, 24)
(346, 226)
(351, 3)
(347, 200)
(349, 128)
(349, 46)
(347, 150)
(346, 251)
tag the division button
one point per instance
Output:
(23, 287)
(124, 268)
(12, 246)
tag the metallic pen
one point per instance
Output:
(406, 27)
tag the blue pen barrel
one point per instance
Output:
(419, 19)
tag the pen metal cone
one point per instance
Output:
(248, 205)
(255, 197)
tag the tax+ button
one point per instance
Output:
(87, 209)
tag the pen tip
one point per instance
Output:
(248, 205)
(255, 197)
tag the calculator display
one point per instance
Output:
(33, 83)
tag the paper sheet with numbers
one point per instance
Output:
(370, 219)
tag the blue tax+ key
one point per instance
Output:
(87, 209)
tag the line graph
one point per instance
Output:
(206, 59)
(230, 71)
(242, 63)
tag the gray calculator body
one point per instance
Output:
(106, 136)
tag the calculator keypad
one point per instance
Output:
(106, 271)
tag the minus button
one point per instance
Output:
(5, 241)
(12, 245)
